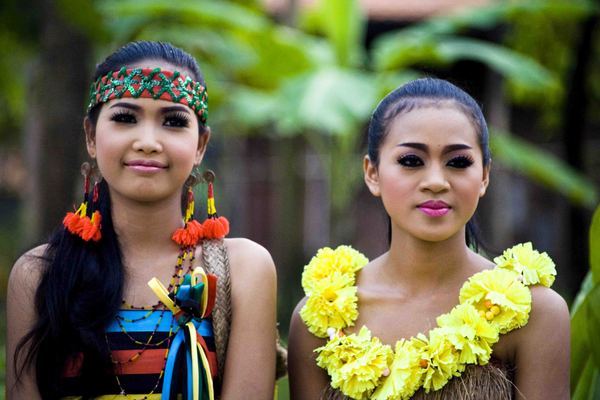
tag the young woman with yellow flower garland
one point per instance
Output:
(430, 318)
(82, 319)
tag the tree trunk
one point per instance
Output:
(53, 133)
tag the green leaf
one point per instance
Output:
(580, 353)
(543, 168)
(595, 247)
(343, 24)
(516, 67)
(331, 100)
(588, 384)
(586, 286)
(222, 14)
(592, 313)
(417, 48)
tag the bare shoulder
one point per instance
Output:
(549, 313)
(27, 270)
(547, 306)
(248, 258)
(306, 379)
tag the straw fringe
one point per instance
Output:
(477, 382)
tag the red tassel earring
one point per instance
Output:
(78, 222)
(192, 231)
(215, 227)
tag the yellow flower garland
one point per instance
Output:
(491, 303)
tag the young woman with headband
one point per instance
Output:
(132, 297)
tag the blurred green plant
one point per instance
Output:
(585, 325)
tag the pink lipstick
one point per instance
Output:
(434, 208)
(146, 166)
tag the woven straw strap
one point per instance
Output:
(216, 261)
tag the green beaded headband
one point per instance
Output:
(154, 83)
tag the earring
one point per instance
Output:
(78, 222)
(215, 227)
(192, 230)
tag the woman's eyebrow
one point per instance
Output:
(165, 110)
(124, 104)
(447, 149)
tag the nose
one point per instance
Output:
(147, 139)
(434, 179)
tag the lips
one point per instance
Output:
(434, 208)
(145, 165)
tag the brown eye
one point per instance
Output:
(410, 161)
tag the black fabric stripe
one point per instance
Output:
(120, 341)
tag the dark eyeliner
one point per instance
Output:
(123, 116)
(177, 120)
(410, 161)
(460, 162)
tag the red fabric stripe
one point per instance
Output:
(210, 356)
(212, 293)
(151, 361)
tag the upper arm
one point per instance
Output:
(542, 354)
(20, 317)
(307, 380)
(250, 360)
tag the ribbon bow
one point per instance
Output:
(191, 305)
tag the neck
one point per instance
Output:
(421, 264)
(145, 227)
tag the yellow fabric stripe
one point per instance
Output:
(211, 391)
(195, 373)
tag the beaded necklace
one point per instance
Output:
(491, 302)
(176, 278)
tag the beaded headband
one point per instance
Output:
(154, 83)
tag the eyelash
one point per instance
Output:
(413, 161)
(460, 162)
(175, 120)
(124, 117)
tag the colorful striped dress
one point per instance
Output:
(139, 341)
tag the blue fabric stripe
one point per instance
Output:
(148, 324)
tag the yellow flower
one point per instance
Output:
(355, 363)
(405, 375)
(332, 304)
(343, 259)
(499, 297)
(441, 360)
(470, 333)
(534, 266)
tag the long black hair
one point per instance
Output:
(422, 93)
(81, 287)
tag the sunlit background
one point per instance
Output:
(292, 84)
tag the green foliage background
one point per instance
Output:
(314, 80)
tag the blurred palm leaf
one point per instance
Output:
(585, 325)
(543, 168)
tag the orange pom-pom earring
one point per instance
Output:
(215, 227)
(192, 231)
(78, 222)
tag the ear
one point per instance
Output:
(485, 179)
(371, 175)
(90, 137)
(202, 144)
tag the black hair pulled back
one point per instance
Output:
(427, 92)
(81, 286)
